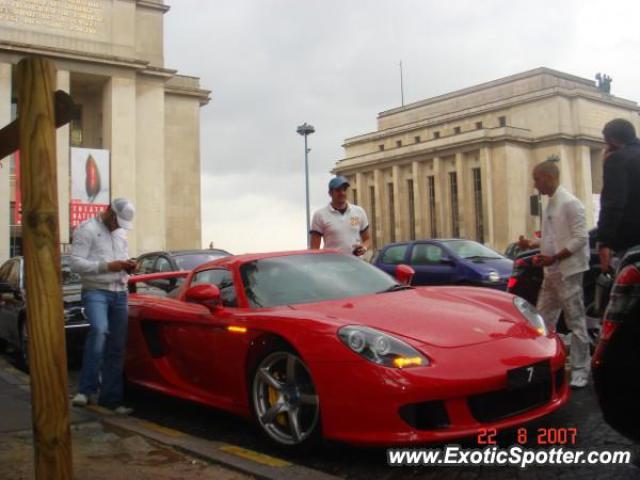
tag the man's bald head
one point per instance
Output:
(546, 176)
(548, 167)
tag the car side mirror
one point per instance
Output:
(404, 274)
(205, 294)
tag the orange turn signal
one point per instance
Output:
(402, 362)
(235, 329)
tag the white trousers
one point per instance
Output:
(565, 295)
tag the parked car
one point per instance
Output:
(14, 327)
(317, 343)
(174, 261)
(616, 363)
(447, 262)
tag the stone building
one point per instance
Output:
(109, 56)
(459, 165)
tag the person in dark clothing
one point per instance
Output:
(619, 221)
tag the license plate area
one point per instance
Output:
(535, 373)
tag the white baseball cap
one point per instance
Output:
(124, 211)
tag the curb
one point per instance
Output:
(234, 457)
(241, 459)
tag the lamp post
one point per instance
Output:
(306, 130)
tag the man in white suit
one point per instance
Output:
(564, 254)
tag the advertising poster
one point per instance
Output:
(90, 183)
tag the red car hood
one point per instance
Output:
(439, 316)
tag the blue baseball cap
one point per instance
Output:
(338, 182)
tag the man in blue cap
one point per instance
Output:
(342, 225)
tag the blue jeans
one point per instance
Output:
(104, 349)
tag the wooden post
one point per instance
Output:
(47, 356)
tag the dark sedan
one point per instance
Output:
(447, 262)
(13, 316)
(174, 261)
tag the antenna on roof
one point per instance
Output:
(401, 85)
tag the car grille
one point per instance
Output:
(430, 415)
(492, 406)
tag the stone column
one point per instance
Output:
(462, 197)
(119, 137)
(362, 194)
(420, 200)
(487, 194)
(395, 178)
(583, 182)
(150, 164)
(5, 185)
(63, 82)
(440, 181)
(378, 182)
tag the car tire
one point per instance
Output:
(284, 401)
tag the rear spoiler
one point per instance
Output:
(146, 277)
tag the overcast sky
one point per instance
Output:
(273, 65)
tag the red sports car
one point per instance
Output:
(317, 343)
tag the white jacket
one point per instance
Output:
(566, 227)
(92, 248)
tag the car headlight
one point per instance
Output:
(529, 312)
(493, 277)
(381, 348)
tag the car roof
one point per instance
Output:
(410, 242)
(186, 252)
(237, 260)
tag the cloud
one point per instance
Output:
(275, 64)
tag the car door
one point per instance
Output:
(432, 264)
(391, 257)
(11, 302)
(199, 352)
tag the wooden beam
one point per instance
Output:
(47, 356)
(10, 134)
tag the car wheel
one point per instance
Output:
(284, 400)
(22, 353)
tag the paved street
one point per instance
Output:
(349, 462)
(581, 412)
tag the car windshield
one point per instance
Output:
(471, 250)
(310, 278)
(68, 277)
(189, 261)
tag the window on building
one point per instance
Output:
(456, 130)
(381, 147)
(412, 210)
(354, 196)
(436, 134)
(417, 138)
(372, 221)
(477, 199)
(392, 213)
(398, 143)
(502, 121)
(455, 211)
(431, 187)
(478, 125)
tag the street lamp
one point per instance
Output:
(305, 130)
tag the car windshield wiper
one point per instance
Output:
(396, 288)
(481, 257)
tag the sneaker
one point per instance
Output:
(579, 382)
(80, 400)
(122, 410)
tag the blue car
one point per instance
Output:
(447, 262)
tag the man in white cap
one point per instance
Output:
(99, 253)
(340, 224)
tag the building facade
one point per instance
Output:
(459, 165)
(109, 55)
